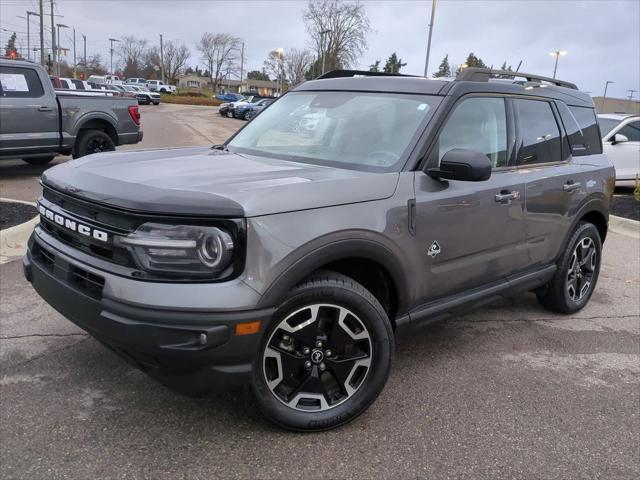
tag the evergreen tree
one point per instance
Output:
(375, 67)
(506, 68)
(444, 70)
(10, 49)
(394, 64)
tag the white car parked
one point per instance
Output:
(160, 86)
(621, 138)
(105, 79)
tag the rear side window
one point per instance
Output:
(588, 122)
(539, 132)
(478, 124)
(20, 83)
(78, 83)
(631, 131)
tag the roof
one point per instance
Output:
(616, 116)
(481, 82)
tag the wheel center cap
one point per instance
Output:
(317, 356)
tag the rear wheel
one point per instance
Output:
(248, 115)
(325, 357)
(573, 283)
(93, 141)
(39, 160)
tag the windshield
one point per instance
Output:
(363, 131)
(607, 124)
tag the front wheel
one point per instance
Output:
(325, 357)
(575, 279)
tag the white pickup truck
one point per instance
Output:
(159, 86)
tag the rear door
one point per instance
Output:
(555, 186)
(471, 234)
(29, 113)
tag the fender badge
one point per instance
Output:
(434, 249)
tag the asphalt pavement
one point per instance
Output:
(510, 391)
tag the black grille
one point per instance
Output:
(113, 222)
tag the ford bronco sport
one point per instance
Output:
(355, 208)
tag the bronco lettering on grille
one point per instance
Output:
(73, 225)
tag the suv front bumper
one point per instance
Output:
(190, 349)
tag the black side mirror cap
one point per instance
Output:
(462, 164)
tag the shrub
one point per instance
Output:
(636, 192)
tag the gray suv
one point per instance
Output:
(354, 209)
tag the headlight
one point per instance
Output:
(180, 250)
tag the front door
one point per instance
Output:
(29, 113)
(470, 234)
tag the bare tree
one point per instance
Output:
(175, 60)
(219, 52)
(296, 64)
(132, 51)
(274, 66)
(346, 26)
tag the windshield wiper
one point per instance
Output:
(221, 146)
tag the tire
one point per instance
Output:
(230, 114)
(568, 292)
(247, 115)
(39, 160)
(164, 90)
(332, 309)
(92, 141)
(156, 103)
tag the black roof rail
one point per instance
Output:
(474, 74)
(355, 73)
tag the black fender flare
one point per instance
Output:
(332, 251)
(596, 202)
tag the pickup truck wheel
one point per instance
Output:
(93, 141)
(325, 357)
(39, 160)
(578, 269)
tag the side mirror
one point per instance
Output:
(462, 164)
(618, 138)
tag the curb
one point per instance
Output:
(13, 241)
(624, 226)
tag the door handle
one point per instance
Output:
(571, 186)
(43, 108)
(505, 196)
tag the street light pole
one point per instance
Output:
(84, 55)
(426, 62)
(111, 58)
(606, 86)
(41, 15)
(557, 54)
(54, 67)
(161, 59)
(322, 34)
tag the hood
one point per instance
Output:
(201, 181)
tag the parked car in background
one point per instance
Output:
(135, 81)
(229, 97)
(250, 110)
(227, 109)
(621, 142)
(39, 122)
(100, 79)
(144, 96)
(160, 86)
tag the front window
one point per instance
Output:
(357, 130)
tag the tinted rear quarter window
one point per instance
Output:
(581, 125)
(539, 133)
(20, 83)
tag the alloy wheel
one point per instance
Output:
(97, 145)
(317, 357)
(582, 267)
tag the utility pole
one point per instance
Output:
(426, 61)
(161, 60)
(54, 65)
(84, 41)
(28, 18)
(631, 92)
(59, 25)
(111, 62)
(241, 63)
(41, 32)
(74, 53)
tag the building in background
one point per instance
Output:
(262, 87)
(617, 105)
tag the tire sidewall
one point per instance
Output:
(583, 231)
(379, 328)
(81, 151)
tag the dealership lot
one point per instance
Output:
(506, 392)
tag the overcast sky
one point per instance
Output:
(602, 38)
